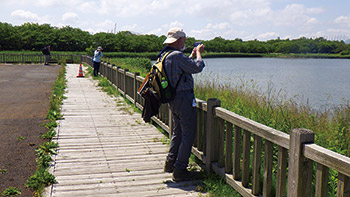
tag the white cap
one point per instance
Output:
(173, 35)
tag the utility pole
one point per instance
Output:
(115, 28)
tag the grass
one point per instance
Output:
(42, 177)
(331, 125)
(11, 191)
(20, 138)
(141, 65)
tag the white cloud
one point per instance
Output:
(70, 18)
(163, 29)
(268, 36)
(343, 20)
(296, 15)
(27, 16)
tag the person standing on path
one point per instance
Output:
(97, 60)
(46, 52)
(183, 107)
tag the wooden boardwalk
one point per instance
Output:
(105, 149)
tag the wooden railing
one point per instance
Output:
(244, 152)
(37, 58)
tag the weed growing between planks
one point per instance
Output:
(42, 177)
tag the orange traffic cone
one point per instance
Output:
(80, 72)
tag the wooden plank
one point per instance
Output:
(199, 154)
(246, 158)
(297, 173)
(212, 134)
(228, 154)
(237, 153)
(268, 133)
(199, 134)
(322, 176)
(268, 161)
(256, 165)
(281, 172)
(221, 142)
(328, 158)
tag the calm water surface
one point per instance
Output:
(318, 82)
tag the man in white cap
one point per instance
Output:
(179, 69)
(97, 60)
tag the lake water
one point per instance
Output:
(317, 82)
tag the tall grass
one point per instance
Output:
(141, 65)
(331, 125)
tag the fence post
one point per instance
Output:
(212, 136)
(22, 58)
(300, 168)
(135, 87)
(124, 85)
(117, 77)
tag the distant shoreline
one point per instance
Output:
(153, 55)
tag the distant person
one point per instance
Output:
(46, 52)
(97, 60)
(179, 68)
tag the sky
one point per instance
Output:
(202, 19)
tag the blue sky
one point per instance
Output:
(202, 19)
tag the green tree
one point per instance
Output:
(72, 39)
(9, 39)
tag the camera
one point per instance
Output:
(196, 44)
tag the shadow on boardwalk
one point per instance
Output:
(104, 150)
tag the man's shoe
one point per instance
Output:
(169, 166)
(183, 175)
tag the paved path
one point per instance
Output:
(105, 150)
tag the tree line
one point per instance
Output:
(33, 37)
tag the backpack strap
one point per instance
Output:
(163, 58)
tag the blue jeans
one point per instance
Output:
(184, 131)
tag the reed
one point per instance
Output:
(270, 107)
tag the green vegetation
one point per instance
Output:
(20, 138)
(42, 177)
(11, 191)
(3, 171)
(331, 127)
(32, 37)
(142, 65)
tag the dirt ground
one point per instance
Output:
(24, 103)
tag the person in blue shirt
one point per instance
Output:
(97, 60)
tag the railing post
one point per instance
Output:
(124, 85)
(22, 58)
(171, 126)
(300, 168)
(212, 136)
(135, 87)
(117, 77)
